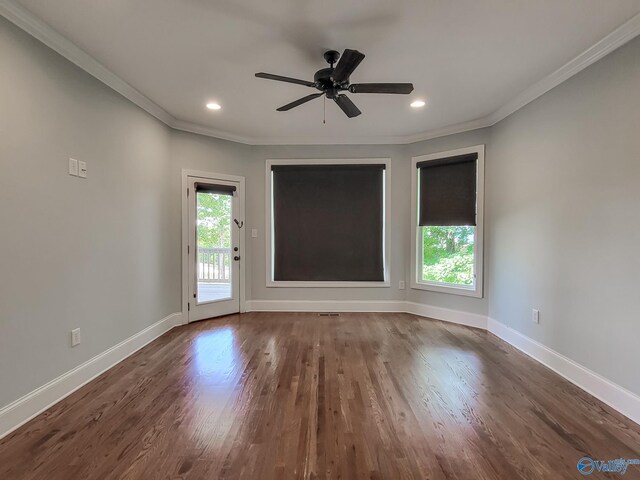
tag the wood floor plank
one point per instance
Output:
(300, 396)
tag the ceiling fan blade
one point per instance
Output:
(399, 88)
(300, 101)
(347, 106)
(280, 78)
(348, 62)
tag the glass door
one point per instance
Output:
(214, 255)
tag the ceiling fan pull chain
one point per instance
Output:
(324, 111)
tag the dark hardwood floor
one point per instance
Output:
(285, 395)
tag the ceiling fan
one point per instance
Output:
(332, 81)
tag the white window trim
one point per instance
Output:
(416, 262)
(269, 224)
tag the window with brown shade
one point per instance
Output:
(448, 209)
(328, 222)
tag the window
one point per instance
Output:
(327, 222)
(447, 212)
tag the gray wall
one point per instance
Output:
(99, 253)
(563, 191)
(210, 154)
(400, 221)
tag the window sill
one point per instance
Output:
(274, 284)
(450, 289)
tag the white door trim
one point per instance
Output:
(186, 173)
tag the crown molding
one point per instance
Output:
(621, 35)
(395, 140)
(378, 140)
(449, 130)
(208, 132)
(31, 24)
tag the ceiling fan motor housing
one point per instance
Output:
(324, 83)
(323, 77)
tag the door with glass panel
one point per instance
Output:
(213, 250)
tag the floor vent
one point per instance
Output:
(328, 314)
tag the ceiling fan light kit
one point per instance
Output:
(332, 81)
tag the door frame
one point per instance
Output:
(186, 173)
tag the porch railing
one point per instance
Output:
(214, 265)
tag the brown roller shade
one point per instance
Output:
(448, 191)
(328, 222)
(211, 188)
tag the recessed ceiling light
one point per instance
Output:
(213, 106)
(418, 104)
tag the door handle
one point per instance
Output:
(236, 258)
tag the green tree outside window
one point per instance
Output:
(448, 255)
(214, 220)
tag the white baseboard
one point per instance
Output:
(617, 397)
(325, 306)
(439, 313)
(24, 409)
(446, 314)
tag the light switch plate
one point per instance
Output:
(73, 167)
(254, 233)
(82, 169)
(75, 337)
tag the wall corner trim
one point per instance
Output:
(19, 412)
(617, 397)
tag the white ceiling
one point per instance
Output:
(467, 58)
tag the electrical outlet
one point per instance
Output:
(401, 284)
(254, 233)
(73, 167)
(535, 316)
(82, 169)
(75, 337)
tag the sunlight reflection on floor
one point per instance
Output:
(216, 355)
